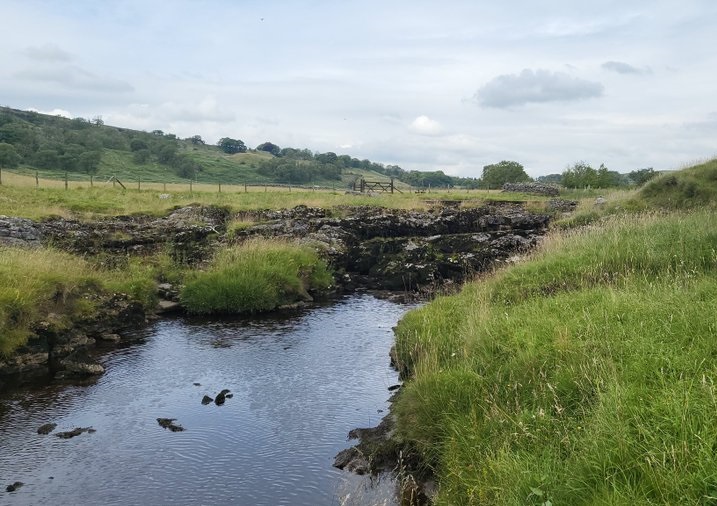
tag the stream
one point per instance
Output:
(300, 383)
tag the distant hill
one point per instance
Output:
(54, 145)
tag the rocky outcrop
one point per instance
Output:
(19, 232)
(548, 190)
(408, 250)
(188, 231)
(561, 205)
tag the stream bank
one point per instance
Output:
(368, 248)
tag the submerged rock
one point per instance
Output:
(14, 486)
(46, 428)
(168, 423)
(75, 432)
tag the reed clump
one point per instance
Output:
(257, 275)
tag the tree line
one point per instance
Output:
(78, 145)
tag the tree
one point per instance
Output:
(497, 174)
(167, 154)
(550, 179)
(137, 145)
(8, 156)
(231, 146)
(269, 147)
(47, 159)
(328, 157)
(89, 161)
(641, 176)
(197, 140)
(582, 175)
(141, 156)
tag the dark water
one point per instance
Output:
(299, 383)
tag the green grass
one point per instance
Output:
(257, 275)
(20, 197)
(39, 285)
(584, 375)
(689, 188)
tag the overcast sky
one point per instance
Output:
(451, 85)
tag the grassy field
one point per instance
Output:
(582, 375)
(20, 196)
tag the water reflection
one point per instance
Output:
(299, 384)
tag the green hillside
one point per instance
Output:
(53, 146)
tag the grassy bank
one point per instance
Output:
(257, 275)
(584, 375)
(57, 288)
(49, 287)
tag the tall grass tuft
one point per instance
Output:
(38, 283)
(257, 275)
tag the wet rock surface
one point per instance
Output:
(188, 231)
(168, 423)
(14, 486)
(46, 428)
(407, 250)
(75, 432)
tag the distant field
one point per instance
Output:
(24, 195)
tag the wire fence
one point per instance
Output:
(69, 180)
(72, 180)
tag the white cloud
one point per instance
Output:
(74, 78)
(535, 87)
(625, 68)
(423, 125)
(47, 52)
(53, 112)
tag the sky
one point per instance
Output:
(452, 85)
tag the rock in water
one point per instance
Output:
(221, 397)
(14, 486)
(46, 428)
(75, 432)
(207, 400)
(168, 423)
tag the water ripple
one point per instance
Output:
(299, 384)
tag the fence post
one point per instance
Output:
(391, 185)
(92, 181)
(289, 188)
(220, 187)
(190, 186)
(139, 182)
